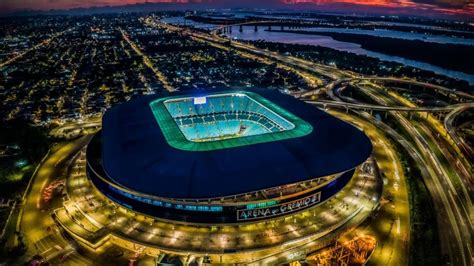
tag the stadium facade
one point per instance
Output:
(222, 157)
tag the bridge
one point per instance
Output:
(461, 96)
(228, 27)
(370, 107)
(411, 82)
(448, 124)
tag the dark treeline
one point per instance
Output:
(451, 56)
(413, 29)
(362, 64)
(33, 144)
(443, 32)
(464, 25)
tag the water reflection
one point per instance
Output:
(250, 34)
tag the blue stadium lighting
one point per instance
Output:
(168, 204)
(224, 116)
(21, 163)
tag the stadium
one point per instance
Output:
(222, 156)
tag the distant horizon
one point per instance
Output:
(421, 8)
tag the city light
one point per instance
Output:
(236, 133)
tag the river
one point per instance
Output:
(248, 33)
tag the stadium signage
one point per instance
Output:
(200, 100)
(281, 209)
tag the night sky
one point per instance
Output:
(409, 7)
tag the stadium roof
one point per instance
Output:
(136, 154)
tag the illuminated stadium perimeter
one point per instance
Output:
(223, 162)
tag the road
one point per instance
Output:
(35, 224)
(371, 107)
(448, 148)
(453, 212)
(448, 124)
(35, 47)
(147, 61)
(75, 129)
(437, 88)
(391, 228)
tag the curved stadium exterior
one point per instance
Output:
(222, 157)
